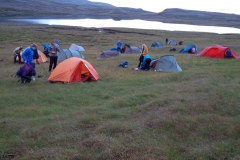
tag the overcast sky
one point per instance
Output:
(224, 6)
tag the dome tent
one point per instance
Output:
(217, 51)
(67, 53)
(165, 63)
(188, 49)
(73, 70)
(172, 42)
(157, 44)
(76, 48)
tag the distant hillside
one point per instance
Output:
(82, 2)
(80, 9)
(190, 14)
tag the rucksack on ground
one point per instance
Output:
(25, 72)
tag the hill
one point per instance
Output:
(95, 10)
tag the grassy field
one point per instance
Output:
(127, 114)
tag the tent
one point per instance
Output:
(42, 58)
(109, 54)
(67, 53)
(73, 70)
(165, 63)
(157, 44)
(188, 49)
(216, 51)
(127, 49)
(172, 42)
(76, 48)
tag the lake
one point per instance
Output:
(138, 24)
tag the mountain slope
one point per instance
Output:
(86, 9)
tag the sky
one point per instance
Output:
(222, 6)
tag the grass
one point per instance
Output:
(126, 114)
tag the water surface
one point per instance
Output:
(138, 24)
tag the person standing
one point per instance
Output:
(53, 49)
(119, 46)
(28, 54)
(166, 41)
(57, 41)
(36, 56)
(17, 52)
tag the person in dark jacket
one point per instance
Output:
(166, 41)
(35, 56)
(53, 49)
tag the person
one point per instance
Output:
(57, 41)
(17, 52)
(119, 46)
(166, 41)
(193, 50)
(45, 49)
(35, 56)
(53, 49)
(28, 55)
(144, 59)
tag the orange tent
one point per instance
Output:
(216, 51)
(73, 70)
(42, 58)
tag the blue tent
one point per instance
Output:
(188, 49)
(157, 44)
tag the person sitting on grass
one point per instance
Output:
(144, 59)
(146, 62)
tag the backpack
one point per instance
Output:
(25, 72)
(228, 54)
(123, 64)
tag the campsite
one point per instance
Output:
(126, 114)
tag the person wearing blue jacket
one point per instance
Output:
(119, 46)
(146, 62)
(28, 54)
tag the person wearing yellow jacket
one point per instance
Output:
(144, 59)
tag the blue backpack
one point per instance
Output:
(123, 64)
(228, 54)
